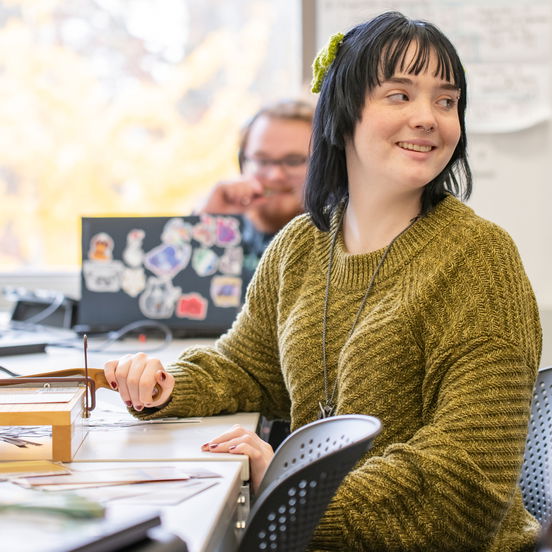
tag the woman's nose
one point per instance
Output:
(423, 117)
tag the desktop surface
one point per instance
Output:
(205, 521)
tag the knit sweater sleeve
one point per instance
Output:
(241, 372)
(454, 482)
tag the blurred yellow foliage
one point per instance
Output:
(68, 149)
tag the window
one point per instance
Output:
(126, 107)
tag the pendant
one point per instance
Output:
(326, 410)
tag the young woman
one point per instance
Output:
(390, 297)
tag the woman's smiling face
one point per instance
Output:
(408, 130)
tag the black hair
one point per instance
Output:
(369, 53)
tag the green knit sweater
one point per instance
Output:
(445, 354)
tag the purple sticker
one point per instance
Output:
(228, 231)
(167, 260)
(226, 291)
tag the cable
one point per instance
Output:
(56, 299)
(9, 372)
(115, 336)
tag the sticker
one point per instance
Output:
(205, 231)
(232, 261)
(192, 305)
(205, 261)
(167, 260)
(133, 281)
(133, 254)
(101, 247)
(159, 298)
(176, 232)
(226, 291)
(228, 231)
(102, 276)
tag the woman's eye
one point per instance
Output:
(398, 97)
(447, 103)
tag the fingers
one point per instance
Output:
(233, 196)
(249, 194)
(241, 441)
(236, 436)
(140, 380)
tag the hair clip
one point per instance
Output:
(323, 60)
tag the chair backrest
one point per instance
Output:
(535, 473)
(302, 479)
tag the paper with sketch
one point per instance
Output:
(115, 476)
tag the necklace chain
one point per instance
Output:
(327, 408)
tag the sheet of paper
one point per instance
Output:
(114, 476)
(114, 423)
(165, 495)
(118, 417)
(158, 494)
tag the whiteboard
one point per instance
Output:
(504, 45)
(506, 48)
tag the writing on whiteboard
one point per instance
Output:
(505, 46)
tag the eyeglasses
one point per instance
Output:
(292, 165)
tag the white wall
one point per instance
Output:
(512, 188)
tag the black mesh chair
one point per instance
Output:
(535, 473)
(302, 478)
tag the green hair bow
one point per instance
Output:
(323, 61)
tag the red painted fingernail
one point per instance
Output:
(113, 384)
(214, 445)
(232, 447)
(128, 403)
(138, 407)
(204, 445)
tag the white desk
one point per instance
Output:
(157, 442)
(143, 443)
(161, 442)
(205, 521)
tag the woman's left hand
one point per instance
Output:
(242, 441)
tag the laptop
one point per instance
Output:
(185, 272)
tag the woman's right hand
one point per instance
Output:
(140, 380)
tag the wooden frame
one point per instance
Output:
(68, 431)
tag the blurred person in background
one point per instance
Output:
(273, 156)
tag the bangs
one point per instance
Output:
(396, 57)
